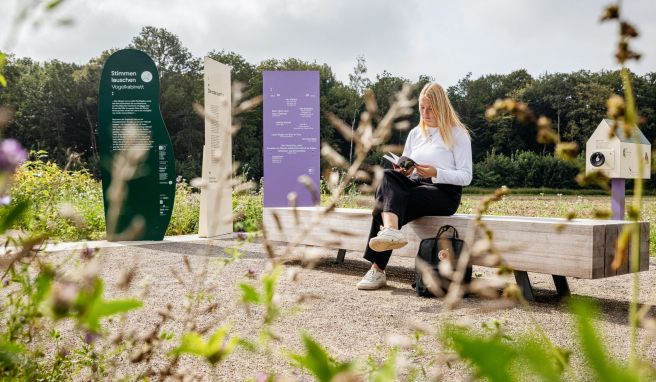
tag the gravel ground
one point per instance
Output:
(351, 324)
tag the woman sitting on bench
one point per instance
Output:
(440, 147)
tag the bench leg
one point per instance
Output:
(561, 285)
(521, 277)
(340, 256)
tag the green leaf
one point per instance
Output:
(3, 81)
(538, 359)
(93, 307)
(43, 283)
(105, 308)
(14, 212)
(317, 361)
(249, 294)
(52, 4)
(9, 355)
(491, 358)
(214, 351)
(387, 371)
(604, 367)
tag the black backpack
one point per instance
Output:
(428, 252)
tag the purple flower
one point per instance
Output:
(5, 200)
(12, 154)
(87, 253)
(90, 337)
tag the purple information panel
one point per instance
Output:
(291, 135)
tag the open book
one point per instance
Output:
(403, 161)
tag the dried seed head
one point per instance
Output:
(292, 274)
(333, 157)
(624, 53)
(399, 341)
(362, 176)
(370, 101)
(126, 278)
(68, 212)
(308, 182)
(6, 115)
(402, 125)
(333, 179)
(491, 113)
(602, 214)
(198, 183)
(615, 106)
(567, 150)
(611, 12)
(594, 177)
(488, 288)
(512, 292)
(421, 327)
(628, 30)
(292, 198)
(481, 247)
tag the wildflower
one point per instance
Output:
(63, 297)
(5, 200)
(241, 236)
(87, 253)
(12, 154)
(251, 272)
(90, 338)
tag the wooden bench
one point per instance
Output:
(581, 248)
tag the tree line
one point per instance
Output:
(55, 103)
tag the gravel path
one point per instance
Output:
(351, 324)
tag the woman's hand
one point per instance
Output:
(426, 171)
(402, 171)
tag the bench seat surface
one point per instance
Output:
(581, 248)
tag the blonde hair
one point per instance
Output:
(447, 118)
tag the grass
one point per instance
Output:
(547, 204)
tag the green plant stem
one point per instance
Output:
(559, 357)
(630, 120)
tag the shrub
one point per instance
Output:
(247, 209)
(525, 169)
(52, 193)
(68, 205)
(186, 210)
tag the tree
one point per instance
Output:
(166, 50)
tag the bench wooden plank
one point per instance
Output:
(575, 248)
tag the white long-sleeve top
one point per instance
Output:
(453, 166)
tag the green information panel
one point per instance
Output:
(136, 155)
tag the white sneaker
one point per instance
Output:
(374, 279)
(388, 238)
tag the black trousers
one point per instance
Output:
(409, 198)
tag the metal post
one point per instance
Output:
(561, 285)
(618, 188)
(340, 256)
(521, 277)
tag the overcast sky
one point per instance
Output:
(439, 38)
